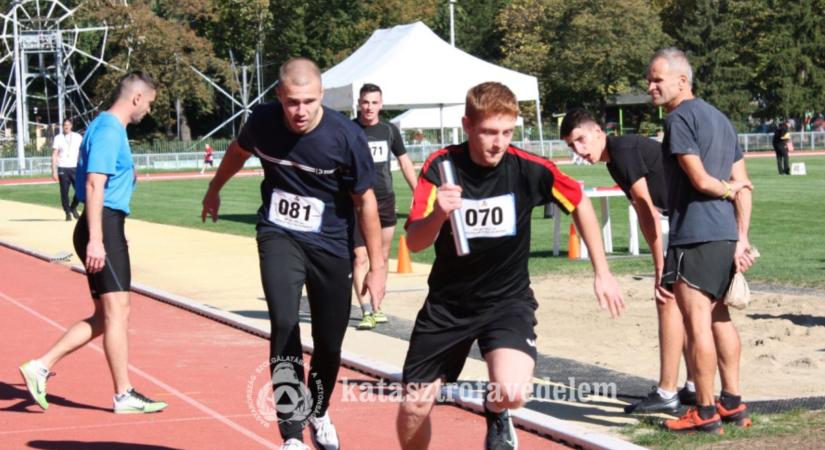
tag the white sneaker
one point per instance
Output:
(133, 402)
(35, 376)
(323, 432)
(294, 444)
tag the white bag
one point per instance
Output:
(739, 294)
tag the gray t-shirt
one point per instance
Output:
(697, 128)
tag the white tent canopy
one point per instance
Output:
(449, 117)
(416, 68)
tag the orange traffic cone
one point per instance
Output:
(573, 250)
(404, 263)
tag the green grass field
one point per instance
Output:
(793, 429)
(787, 217)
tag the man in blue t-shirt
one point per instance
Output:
(318, 176)
(104, 183)
(709, 201)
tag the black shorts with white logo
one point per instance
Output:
(444, 334)
(706, 266)
(116, 275)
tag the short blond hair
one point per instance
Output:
(490, 98)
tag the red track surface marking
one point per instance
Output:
(202, 368)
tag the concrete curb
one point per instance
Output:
(533, 421)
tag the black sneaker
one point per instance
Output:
(501, 434)
(654, 403)
(68, 217)
(687, 397)
(75, 214)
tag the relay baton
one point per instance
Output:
(462, 247)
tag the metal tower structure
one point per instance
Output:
(41, 47)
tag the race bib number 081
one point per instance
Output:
(296, 212)
(380, 151)
(489, 217)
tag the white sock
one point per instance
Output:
(667, 395)
(690, 386)
(39, 365)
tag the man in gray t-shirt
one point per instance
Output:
(709, 200)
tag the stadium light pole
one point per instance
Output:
(452, 23)
(20, 91)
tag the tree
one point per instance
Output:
(712, 34)
(164, 48)
(789, 55)
(475, 26)
(583, 51)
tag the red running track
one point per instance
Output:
(200, 367)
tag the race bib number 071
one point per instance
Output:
(296, 212)
(489, 217)
(380, 151)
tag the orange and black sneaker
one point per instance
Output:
(738, 416)
(691, 422)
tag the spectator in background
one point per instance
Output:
(66, 148)
(781, 146)
(208, 158)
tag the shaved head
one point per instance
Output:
(133, 83)
(299, 72)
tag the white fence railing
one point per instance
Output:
(39, 166)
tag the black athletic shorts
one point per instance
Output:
(706, 266)
(386, 215)
(116, 275)
(443, 336)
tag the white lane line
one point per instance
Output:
(112, 425)
(198, 405)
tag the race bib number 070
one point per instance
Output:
(296, 212)
(489, 217)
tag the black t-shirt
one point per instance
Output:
(309, 178)
(383, 138)
(780, 139)
(496, 206)
(633, 157)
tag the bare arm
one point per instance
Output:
(232, 162)
(652, 231)
(706, 184)
(408, 170)
(367, 209)
(605, 285)
(95, 251)
(55, 154)
(422, 233)
(743, 204)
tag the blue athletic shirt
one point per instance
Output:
(105, 149)
(309, 178)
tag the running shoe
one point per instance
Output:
(367, 322)
(323, 433)
(654, 403)
(133, 402)
(501, 434)
(35, 376)
(294, 444)
(687, 397)
(691, 422)
(380, 317)
(737, 416)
